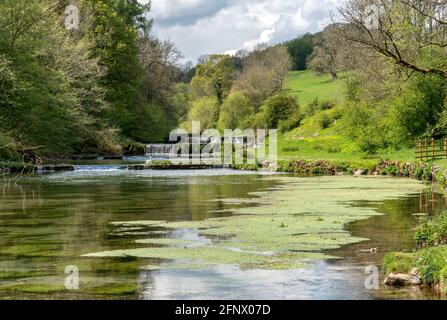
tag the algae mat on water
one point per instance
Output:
(281, 228)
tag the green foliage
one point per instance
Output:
(291, 123)
(278, 108)
(300, 50)
(364, 124)
(431, 262)
(325, 121)
(420, 109)
(233, 112)
(115, 37)
(205, 110)
(215, 76)
(398, 263)
(52, 96)
(8, 148)
(432, 232)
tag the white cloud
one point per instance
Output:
(218, 26)
(265, 37)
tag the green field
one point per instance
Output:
(306, 86)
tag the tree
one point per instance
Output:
(278, 108)
(410, 33)
(159, 61)
(117, 26)
(214, 75)
(234, 111)
(206, 111)
(300, 50)
(264, 73)
(50, 81)
(329, 55)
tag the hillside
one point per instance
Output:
(306, 86)
(313, 142)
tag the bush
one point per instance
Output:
(278, 108)
(326, 105)
(365, 125)
(325, 121)
(293, 122)
(433, 232)
(312, 108)
(291, 149)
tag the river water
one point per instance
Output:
(49, 222)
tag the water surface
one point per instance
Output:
(48, 222)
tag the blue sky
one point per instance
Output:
(224, 26)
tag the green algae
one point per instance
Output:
(32, 250)
(33, 288)
(114, 289)
(289, 226)
(12, 275)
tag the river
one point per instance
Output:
(83, 219)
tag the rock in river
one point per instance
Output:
(404, 280)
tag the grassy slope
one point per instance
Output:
(310, 141)
(306, 86)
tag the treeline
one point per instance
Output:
(241, 91)
(98, 88)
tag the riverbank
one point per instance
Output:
(29, 168)
(426, 266)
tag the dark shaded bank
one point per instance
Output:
(28, 168)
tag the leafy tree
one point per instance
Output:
(300, 50)
(205, 110)
(117, 25)
(214, 75)
(52, 95)
(235, 109)
(278, 108)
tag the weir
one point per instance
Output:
(159, 150)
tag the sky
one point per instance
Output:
(200, 27)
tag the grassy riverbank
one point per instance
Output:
(430, 261)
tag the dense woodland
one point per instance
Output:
(110, 85)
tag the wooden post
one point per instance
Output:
(433, 147)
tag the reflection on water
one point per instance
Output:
(322, 281)
(48, 222)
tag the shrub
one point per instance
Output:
(326, 105)
(291, 149)
(433, 232)
(291, 123)
(312, 108)
(325, 121)
(278, 108)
